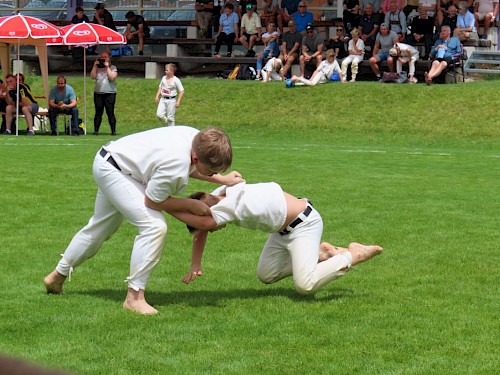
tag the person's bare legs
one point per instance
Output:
(54, 282)
(436, 68)
(135, 301)
(361, 253)
(327, 250)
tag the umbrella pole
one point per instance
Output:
(85, 89)
(17, 92)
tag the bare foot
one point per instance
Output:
(135, 301)
(362, 253)
(352, 80)
(54, 282)
(428, 80)
(326, 251)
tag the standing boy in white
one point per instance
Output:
(133, 175)
(169, 96)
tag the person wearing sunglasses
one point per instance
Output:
(303, 18)
(338, 42)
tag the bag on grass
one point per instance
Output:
(402, 78)
(388, 77)
(335, 77)
(234, 72)
(246, 72)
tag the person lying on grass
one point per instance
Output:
(293, 247)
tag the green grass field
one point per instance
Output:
(412, 168)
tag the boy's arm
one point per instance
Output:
(199, 241)
(230, 179)
(172, 205)
(205, 222)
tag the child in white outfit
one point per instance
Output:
(323, 72)
(271, 71)
(293, 247)
(169, 96)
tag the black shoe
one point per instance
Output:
(252, 53)
(75, 133)
(53, 132)
(7, 132)
(96, 133)
(141, 53)
(30, 132)
(248, 54)
(113, 133)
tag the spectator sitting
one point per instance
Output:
(404, 53)
(141, 29)
(269, 11)
(250, 30)
(312, 49)
(79, 17)
(376, 6)
(356, 51)
(384, 41)
(323, 72)
(422, 30)
(103, 17)
(3, 103)
(350, 15)
(466, 24)
(368, 27)
(204, 9)
(338, 42)
(303, 18)
(430, 6)
(386, 5)
(395, 19)
(287, 10)
(271, 49)
(487, 11)
(27, 104)
(443, 9)
(271, 71)
(290, 48)
(411, 9)
(228, 30)
(443, 52)
(450, 19)
(62, 99)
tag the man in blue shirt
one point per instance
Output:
(287, 10)
(302, 18)
(62, 99)
(443, 52)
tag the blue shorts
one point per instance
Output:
(382, 56)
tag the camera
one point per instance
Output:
(101, 63)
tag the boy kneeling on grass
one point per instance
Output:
(293, 247)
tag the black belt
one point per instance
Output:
(169, 97)
(110, 160)
(297, 221)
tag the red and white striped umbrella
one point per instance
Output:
(87, 34)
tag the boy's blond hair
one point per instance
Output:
(213, 147)
(330, 53)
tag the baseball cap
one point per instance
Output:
(99, 6)
(393, 52)
(291, 23)
(309, 27)
(249, 6)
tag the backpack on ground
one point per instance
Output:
(246, 72)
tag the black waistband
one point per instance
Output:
(297, 221)
(110, 159)
(169, 97)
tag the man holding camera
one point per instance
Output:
(104, 74)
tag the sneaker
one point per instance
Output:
(258, 78)
(7, 132)
(229, 54)
(248, 54)
(30, 132)
(141, 53)
(217, 56)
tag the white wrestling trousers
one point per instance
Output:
(166, 111)
(319, 77)
(118, 196)
(411, 64)
(274, 76)
(354, 60)
(297, 253)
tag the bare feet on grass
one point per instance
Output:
(54, 282)
(135, 301)
(362, 253)
(327, 250)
